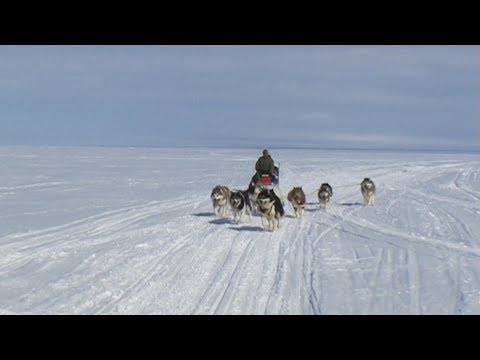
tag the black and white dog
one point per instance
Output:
(220, 200)
(253, 191)
(325, 192)
(367, 187)
(240, 204)
(271, 209)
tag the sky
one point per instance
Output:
(381, 96)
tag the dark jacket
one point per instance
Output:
(265, 165)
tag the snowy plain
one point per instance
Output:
(96, 230)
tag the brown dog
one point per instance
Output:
(297, 197)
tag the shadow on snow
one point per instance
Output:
(351, 203)
(248, 228)
(221, 221)
(204, 214)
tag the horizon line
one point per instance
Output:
(284, 147)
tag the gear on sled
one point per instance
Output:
(267, 180)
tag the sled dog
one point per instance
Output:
(240, 204)
(220, 200)
(297, 197)
(271, 209)
(253, 191)
(367, 187)
(325, 192)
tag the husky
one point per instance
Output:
(367, 187)
(220, 200)
(255, 182)
(325, 192)
(253, 191)
(297, 197)
(279, 193)
(271, 209)
(240, 204)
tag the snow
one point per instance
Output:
(131, 231)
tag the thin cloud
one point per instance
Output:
(389, 139)
(282, 93)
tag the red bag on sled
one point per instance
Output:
(265, 180)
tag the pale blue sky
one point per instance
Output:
(406, 97)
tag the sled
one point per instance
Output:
(269, 182)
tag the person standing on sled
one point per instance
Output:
(264, 166)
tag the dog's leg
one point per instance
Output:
(272, 224)
(268, 225)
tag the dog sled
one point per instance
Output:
(269, 181)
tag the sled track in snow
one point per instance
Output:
(95, 229)
(174, 257)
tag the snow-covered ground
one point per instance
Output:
(131, 231)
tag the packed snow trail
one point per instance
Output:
(132, 231)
